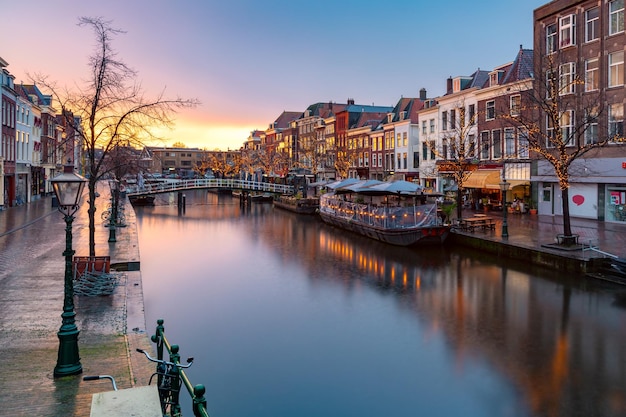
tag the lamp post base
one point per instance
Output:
(68, 362)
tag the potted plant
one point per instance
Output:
(447, 209)
(533, 208)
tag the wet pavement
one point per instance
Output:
(32, 265)
(32, 241)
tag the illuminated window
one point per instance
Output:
(616, 121)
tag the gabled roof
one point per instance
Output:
(371, 119)
(282, 122)
(521, 68)
(325, 110)
(33, 90)
(479, 79)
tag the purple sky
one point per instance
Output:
(248, 60)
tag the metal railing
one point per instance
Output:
(195, 391)
(233, 184)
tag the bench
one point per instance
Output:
(562, 239)
(93, 264)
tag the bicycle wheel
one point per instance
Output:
(106, 215)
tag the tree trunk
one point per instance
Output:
(567, 225)
(459, 203)
(92, 216)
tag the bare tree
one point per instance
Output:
(457, 152)
(563, 123)
(110, 109)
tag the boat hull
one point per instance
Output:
(142, 200)
(429, 235)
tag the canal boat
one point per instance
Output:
(141, 200)
(398, 212)
(298, 205)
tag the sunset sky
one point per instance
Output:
(247, 61)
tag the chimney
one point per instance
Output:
(449, 85)
(423, 94)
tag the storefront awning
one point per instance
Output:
(484, 178)
(517, 183)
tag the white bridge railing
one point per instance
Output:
(179, 185)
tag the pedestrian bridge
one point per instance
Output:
(216, 183)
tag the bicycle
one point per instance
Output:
(168, 380)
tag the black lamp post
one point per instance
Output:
(504, 186)
(68, 188)
(114, 185)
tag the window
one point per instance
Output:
(399, 165)
(472, 114)
(432, 150)
(567, 127)
(567, 26)
(550, 39)
(522, 145)
(592, 24)
(616, 121)
(616, 16)
(566, 78)
(549, 132)
(432, 125)
(509, 142)
(471, 153)
(405, 140)
(366, 158)
(444, 148)
(490, 114)
(497, 144)
(550, 84)
(591, 126)
(444, 120)
(591, 75)
(452, 119)
(416, 159)
(616, 69)
(424, 127)
(404, 160)
(515, 104)
(484, 145)
(399, 140)
(380, 160)
(424, 151)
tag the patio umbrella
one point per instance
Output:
(341, 183)
(356, 187)
(395, 187)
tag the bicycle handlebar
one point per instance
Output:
(95, 377)
(164, 362)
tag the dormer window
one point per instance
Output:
(494, 77)
(389, 117)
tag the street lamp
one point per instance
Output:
(504, 186)
(114, 185)
(68, 188)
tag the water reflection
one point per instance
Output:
(292, 306)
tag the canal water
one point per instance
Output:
(286, 316)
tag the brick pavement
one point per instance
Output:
(32, 241)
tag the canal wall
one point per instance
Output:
(560, 259)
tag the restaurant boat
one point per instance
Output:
(298, 205)
(396, 212)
